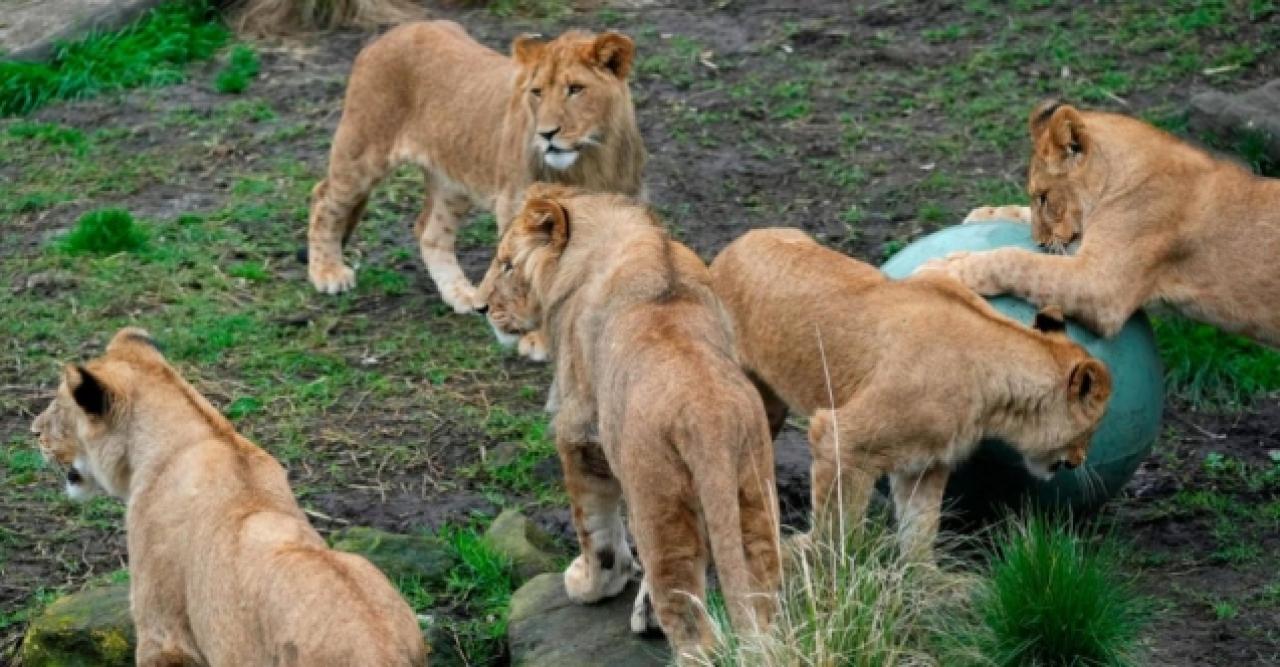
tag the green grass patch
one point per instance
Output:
(1206, 366)
(105, 231)
(151, 52)
(242, 67)
(483, 583)
(1054, 597)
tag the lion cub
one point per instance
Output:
(1157, 220)
(224, 568)
(643, 352)
(918, 371)
(481, 126)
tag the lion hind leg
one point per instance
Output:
(337, 204)
(843, 472)
(760, 535)
(675, 556)
(605, 564)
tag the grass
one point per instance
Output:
(1047, 595)
(105, 231)
(151, 52)
(242, 67)
(1054, 597)
(1208, 367)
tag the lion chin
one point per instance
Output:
(560, 159)
(505, 339)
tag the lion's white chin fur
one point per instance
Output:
(83, 488)
(560, 159)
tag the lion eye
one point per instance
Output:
(574, 89)
(536, 92)
(1042, 199)
(506, 266)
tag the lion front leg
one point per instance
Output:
(437, 231)
(917, 506)
(1100, 295)
(1012, 212)
(605, 563)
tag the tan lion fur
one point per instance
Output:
(477, 123)
(1157, 219)
(643, 351)
(224, 568)
(918, 371)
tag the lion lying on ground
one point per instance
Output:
(642, 349)
(223, 567)
(482, 127)
(917, 371)
(1157, 220)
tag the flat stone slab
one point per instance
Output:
(29, 28)
(1233, 116)
(547, 629)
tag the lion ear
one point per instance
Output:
(1050, 320)
(527, 48)
(89, 392)
(1089, 384)
(548, 220)
(1061, 128)
(614, 51)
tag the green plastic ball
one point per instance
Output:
(995, 477)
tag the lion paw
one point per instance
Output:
(533, 346)
(587, 582)
(988, 213)
(459, 295)
(333, 278)
(643, 616)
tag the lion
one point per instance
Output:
(224, 567)
(643, 357)
(900, 377)
(482, 127)
(1152, 220)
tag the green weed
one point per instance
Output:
(1054, 597)
(151, 52)
(483, 581)
(242, 67)
(1207, 366)
(103, 232)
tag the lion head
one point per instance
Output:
(527, 257)
(84, 428)
(574, 89)
(1061, 177)
(1074, 409)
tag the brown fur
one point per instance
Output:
(1158, 221)
(918, 371)
(224, 567)
(643, 351)
(428, 94)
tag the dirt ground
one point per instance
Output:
(866, 124)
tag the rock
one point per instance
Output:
(90, 628)
(399, 556)
(30, 29)
(529, 548)
(546, 629)
(1252, 114)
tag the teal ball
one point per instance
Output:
(995, 477)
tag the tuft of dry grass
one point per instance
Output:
(280, 18)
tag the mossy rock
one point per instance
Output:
(400, 557)
(513, 535)
(88, 629)
(547, 629)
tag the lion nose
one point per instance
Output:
(1053, 467)
(1071, 465)
(548, 134)
(482, 308)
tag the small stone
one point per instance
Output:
(400, 557)
(91, 627)
(547, 629)
(528, 546)
(1253, 114)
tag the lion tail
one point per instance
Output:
(714, 465)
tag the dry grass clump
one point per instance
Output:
(279, 18)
